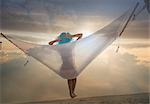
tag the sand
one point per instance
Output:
(141, 98)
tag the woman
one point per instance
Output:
(63, 38)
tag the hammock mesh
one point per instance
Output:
(68, 60)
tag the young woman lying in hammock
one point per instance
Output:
(63, 38)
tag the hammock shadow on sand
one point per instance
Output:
(68, 60)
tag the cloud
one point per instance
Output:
(139, 48)
(112, 73)
(137, 29)
(28, 16)
(54, 16)
(136, 45)
(27, 83)
(9, 55)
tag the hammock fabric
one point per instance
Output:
(68, 60)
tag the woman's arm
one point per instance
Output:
(77, 35)
(52, 42)
(72, 36)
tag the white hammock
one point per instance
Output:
(68, 60)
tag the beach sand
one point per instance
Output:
(141, 98)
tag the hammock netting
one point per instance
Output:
(68, 60)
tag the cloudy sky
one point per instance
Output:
(42, 20)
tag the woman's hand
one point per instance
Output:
(77, 35)
(51, 43)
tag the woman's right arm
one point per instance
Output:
(52, 42)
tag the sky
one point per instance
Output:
(39, 21)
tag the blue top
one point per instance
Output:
(64, 39)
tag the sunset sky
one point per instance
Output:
(40, 21)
